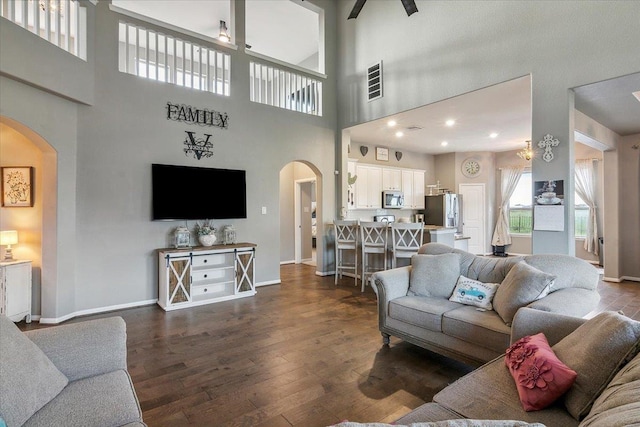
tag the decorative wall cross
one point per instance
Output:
(547, 142)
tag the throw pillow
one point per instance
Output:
(597, 350)
(434, 275)
(474, 292)
(540, 377)
(29, 378)
(523, 285)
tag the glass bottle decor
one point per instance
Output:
(181, 237)
(229, 235)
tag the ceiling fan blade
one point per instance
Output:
(356, 9)
(409, 6)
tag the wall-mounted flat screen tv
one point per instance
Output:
(185, 192)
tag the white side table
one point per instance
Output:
(15, 290)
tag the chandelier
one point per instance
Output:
(526, 153)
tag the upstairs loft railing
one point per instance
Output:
(147, 53)
(285, 89)
(61, 22)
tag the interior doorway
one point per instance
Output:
(473, 216)
(300, 213)
(305, 221)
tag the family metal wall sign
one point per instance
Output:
(193, 145)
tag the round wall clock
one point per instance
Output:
(470, 168)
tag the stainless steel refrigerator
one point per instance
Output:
(443, 210)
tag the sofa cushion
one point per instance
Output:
(474, 292)
(484, 328)
(434, 275)
(489, 393)
(618, 405)
(425, 312)
(597, 350)
(29, 378)
(540, 377)
(522, 285)
(103, 400)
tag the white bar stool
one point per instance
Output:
(346, 233)
(374, 239)
(407, 239)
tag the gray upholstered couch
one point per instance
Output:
(462, 331)
(489, 393)
(69, 375)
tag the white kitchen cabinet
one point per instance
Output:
(418, 189)
(15, 290)
(391, 179)
(369, 192)
(413, 188)
(204, 275)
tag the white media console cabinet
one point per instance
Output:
(189, 277)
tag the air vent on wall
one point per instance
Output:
(374, 81)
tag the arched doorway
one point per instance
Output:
(300, 214)
(36, 225)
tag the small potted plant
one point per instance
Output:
(206, 233)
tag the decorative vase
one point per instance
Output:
(207, 239)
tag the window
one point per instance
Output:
(520, 211)
(581, 217)
(288, 31)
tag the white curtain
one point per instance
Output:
(586, 189)
(509, 180)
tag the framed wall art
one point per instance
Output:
(17, 186)
(382, 154)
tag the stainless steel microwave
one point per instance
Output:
(392, 199)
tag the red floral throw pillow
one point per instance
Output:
(540, 377)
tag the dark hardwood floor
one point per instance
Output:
(303, 353)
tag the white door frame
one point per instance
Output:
(298, 216)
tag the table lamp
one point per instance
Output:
(8, 238)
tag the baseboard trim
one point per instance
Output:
(268, 282)
(291, 261)
(56, 320)
(633, 279)
(612, 279)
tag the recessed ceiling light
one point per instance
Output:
(391, 123)
(399, 134)
(493, 135)
(450, 122)
(637, 95)
(444, 143)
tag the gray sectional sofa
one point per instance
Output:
(71, 375)
(465, 332)
(608, 382)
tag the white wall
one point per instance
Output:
(450, 48)
(629, 161)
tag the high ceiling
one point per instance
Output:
(612, 103)
(504, 109)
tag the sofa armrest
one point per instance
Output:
(575, 302)
(86, 349)
(391, 284)
(555, 327)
